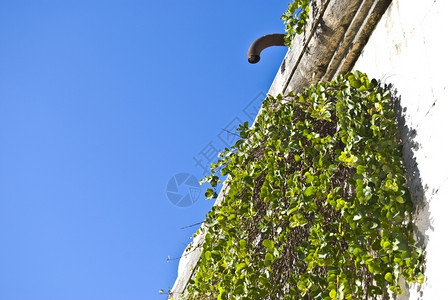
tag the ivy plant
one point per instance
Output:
(316, 205)
(295, 18)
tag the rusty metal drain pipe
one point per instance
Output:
(274, 39)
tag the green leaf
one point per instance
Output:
(400, 199)
(309, 191)
(268, 244)
(376, 245)
(268, 259)
(354, 82)
(297, 220)
(209, 193)
(420, 278)
(239, 289)
(240, 266)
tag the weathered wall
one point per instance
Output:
(408, 49)
(399, 42)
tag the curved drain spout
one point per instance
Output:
(274, 39)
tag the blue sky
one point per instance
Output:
(101, 104)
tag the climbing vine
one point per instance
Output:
(295, 18)
(316, 204)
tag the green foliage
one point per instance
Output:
(316, 206)
(295, 18)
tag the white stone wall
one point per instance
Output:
(407, 49)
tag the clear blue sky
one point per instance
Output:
(101, 103)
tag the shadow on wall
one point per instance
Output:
(421, 218)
